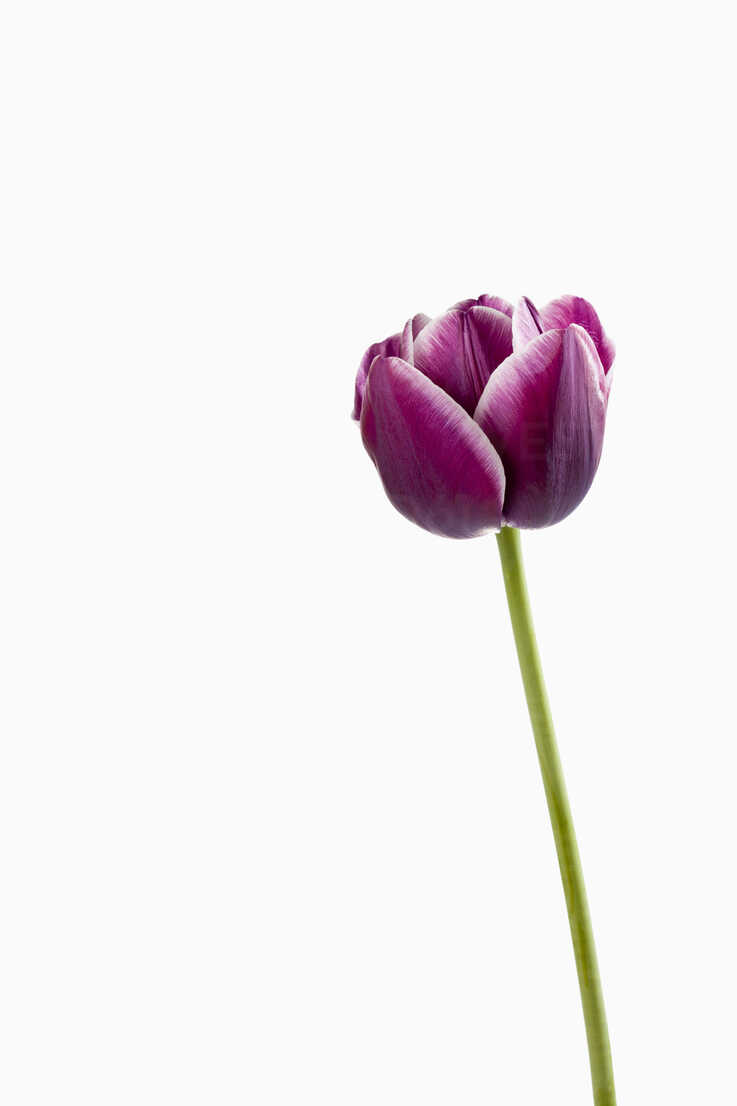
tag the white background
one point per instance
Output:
(271, 823)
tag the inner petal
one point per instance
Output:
(460, 350)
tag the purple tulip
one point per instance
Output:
(487, 415)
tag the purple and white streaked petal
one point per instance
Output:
(526, 323)
(407, 342)
(390, 347)
(561, 312)
(496, 302)
(461, 349)
(544, 409)
(397, 345)
(438, 467)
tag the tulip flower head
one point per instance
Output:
(488, 415)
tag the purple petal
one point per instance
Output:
(398, 345)
(497, 303)
(544, 410)
(390, 347)
(560, 313)
(526, 323)
(437, 465)
(419, 322)
(485, 301)
(407, 341)
(459, 351)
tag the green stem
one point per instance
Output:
(597, 1034)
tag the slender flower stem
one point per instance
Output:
(597, 1034)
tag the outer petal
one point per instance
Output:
(526, 323)
(544, 409)
(560, 313)
(437, 465)
(398, 345)
(460, 350)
